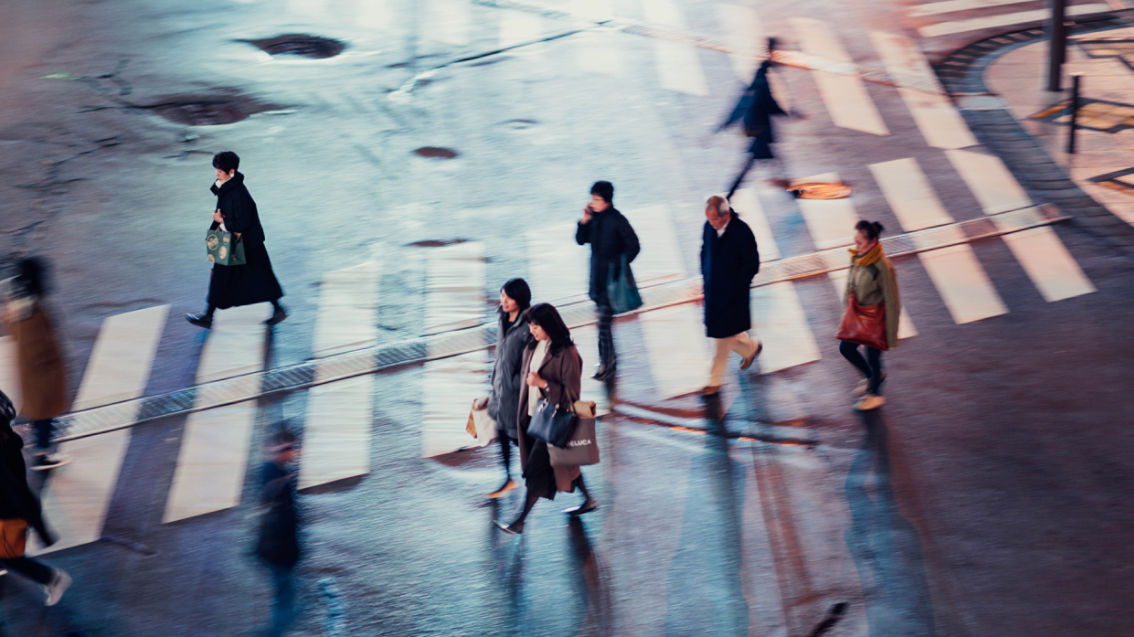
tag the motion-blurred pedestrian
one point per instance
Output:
(613, 242)
(512, 337)
(729, 261)
(277, 542)
(39, 361)
(552, 370)
(252, 281)
(19, 509)
(754, 110)
(872, 310)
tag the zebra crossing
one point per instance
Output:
(215, 444)
(939, 16)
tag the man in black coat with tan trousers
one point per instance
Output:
(729, 261)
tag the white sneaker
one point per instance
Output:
(59, 585)
(869, 402)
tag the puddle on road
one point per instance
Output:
(435, 243)
(435, 152)
(301, 44)
(207, 110)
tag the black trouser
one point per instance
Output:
(605, 335)
(43, 430)
(32, 569)
(505, 452)
(870, 367)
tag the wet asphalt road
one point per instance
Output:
(987, 498)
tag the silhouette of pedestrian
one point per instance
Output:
(277, 542)
(755, 110)
(512, 337)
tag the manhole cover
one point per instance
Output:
(301, 44)
(207, 110)
(435, 152)
(820, 191)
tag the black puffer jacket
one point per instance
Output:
(510, 343)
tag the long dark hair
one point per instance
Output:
(547, 317)
(518, 291)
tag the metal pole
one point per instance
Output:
(1075, 78)
(1057, 45)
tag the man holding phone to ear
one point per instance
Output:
(611, 237)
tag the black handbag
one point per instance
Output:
(552, 424)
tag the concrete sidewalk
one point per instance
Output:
(1103, 166)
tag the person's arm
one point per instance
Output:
(742, 106)
(629, 240)
(750, 256)
(893, 303)
(583, 230)
(238, 217)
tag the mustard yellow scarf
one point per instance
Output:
(870, 257)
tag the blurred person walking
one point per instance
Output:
(277, 541)
(252, 281)
(872, 312)
(39, 361)
(19, 509)
(755, 110)
(613, 243)
(512, 338)
(552, 370)
(729, 261)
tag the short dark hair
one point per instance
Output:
(871, 228)
(604, 189)
(226, 160)
(546, 316)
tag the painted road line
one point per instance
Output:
(592, 9)
(747, 205)
(909, 194)
(586, 341)
(519, 27)
(742, 32)
(830, 221)
(962, 283)
(936, 117)
(1005, 19)
(949, 6)
(375, 14)
(679, 67)
(1048, 263)
(782, 327)
(454, 295)
(447, 21)
(845, 96)
(677, 349)
(119, 369)
(906, 327)
(557, 266)
(597, 54)
(663, 13)
(213, 457)
(661, 255)
(990, 181)
(336, 433)
(449, 386)
(9, 372)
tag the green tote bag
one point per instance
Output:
(224, 248)
(621, 288)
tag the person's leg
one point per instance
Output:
(850, 352)
(605, 335)
(720, 360)
(740, 178)
(34, 570)
(283, 599)
(874, 358)
(43, 430)
(506, 460)
(589, 504)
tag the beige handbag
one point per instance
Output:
(480, 425)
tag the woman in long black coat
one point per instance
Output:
(253, 281)
(17, 502)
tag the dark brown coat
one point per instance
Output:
(563, 372)
(39, 365)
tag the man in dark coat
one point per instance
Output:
(756, 108)
(250, 282)
(611, 237)
(729, 261)
(17, 502)
(277, 542)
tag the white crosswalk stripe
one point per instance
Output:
(677, 349)
(949, 6)
(679, 67)
(830, 221)
(845, 96)
(119, 369)
(660, 257)
(741, 28)
(1005, 19)
(519, 27)
(9, 376)
(782, 327)
(446, 21)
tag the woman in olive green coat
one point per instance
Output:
(873, 281)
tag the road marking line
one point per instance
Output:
(592, 9)
(746, 203)
(212, 460)
(743, 35)
(1048, 263)
(454, 295)
(677, 349)
(336, 434)
(846, 96)
(679, 67)
(906, 327)
(949, 6)
(909, 194)
(936, 117)
(586, 341)
(963, 284)
(447, 21)
(377, 14)
(1003, 20)
(556, 264)
(830, 221)
(663, 13)
(449, 385)
(598, 55)
(661, 255)
(781, 324)
(119, 369)
(989, 180)
(519, 27)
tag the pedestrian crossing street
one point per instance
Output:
(215, 444)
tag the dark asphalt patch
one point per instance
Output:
(301, 44)
(435, 152)
(207, 110)
(435, 243)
